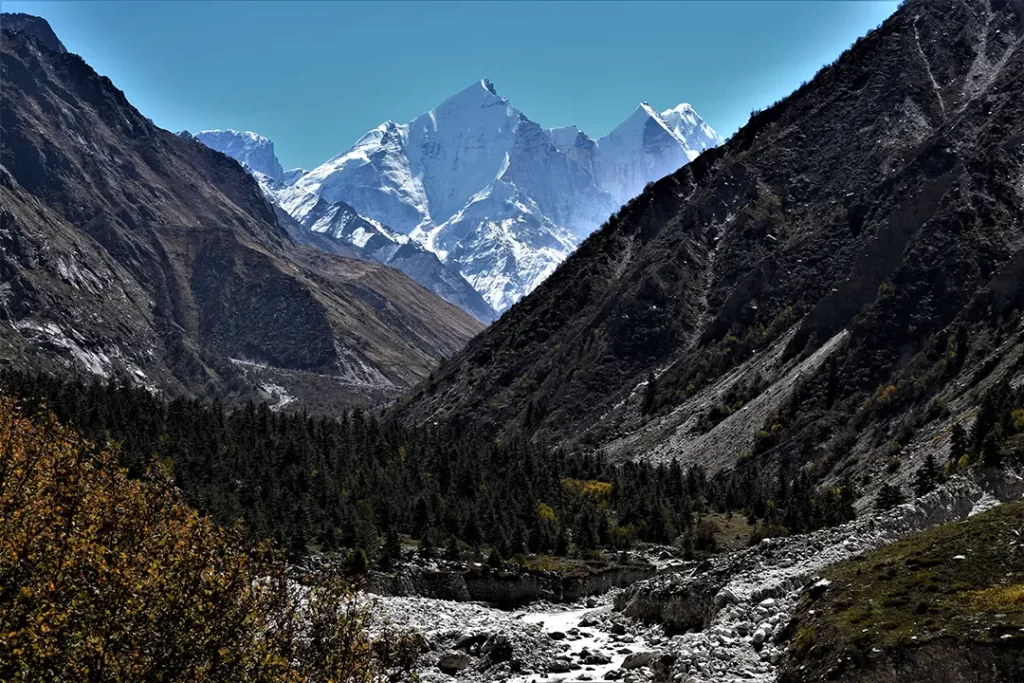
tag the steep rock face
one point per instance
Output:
(814, 270)
(134, 253)
(495, 196)
(253, 151)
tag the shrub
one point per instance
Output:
(356, 563)
(763, 531)
(704, 536)
(804, 640)
(998, 598)
(107, 578)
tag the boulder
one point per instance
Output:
(498, 649)
(638, 659)
(597, 658)
(560, 665)
(725, 597)
(453, 662)
(818, 589)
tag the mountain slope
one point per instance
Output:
(341, 223)
(131, 252)
(32, 26)
(493, 194)
(804, 291)
(333, 224)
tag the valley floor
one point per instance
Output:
(723, 620)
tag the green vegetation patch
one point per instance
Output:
(962, 581)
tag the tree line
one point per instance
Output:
(315, 483)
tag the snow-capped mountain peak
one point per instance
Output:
(690, 128)
(253, 151)
(649, 145)
(491, 193)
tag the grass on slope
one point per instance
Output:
(963, 580)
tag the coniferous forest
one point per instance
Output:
(356, 482)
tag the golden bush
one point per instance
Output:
(107, 578)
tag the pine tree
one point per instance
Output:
(494, 560)
(927, 477)
(562, 543)
(356, 562)
(962, 345)
(889, 496)
(957, 443)
(391, 553)
(452, 552)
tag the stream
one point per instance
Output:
(593, 640)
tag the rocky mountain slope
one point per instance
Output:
(32, 26)
(337, 223)
(832, 288)
(492, 193)
(132, 253)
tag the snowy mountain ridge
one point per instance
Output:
(496, 196)
(342, 223)
(253, 151)
(499, 200)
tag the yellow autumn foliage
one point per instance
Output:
(598, 492)
(106, 578)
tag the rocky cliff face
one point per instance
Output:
(133, 253)
(849, 256)
(504, 589)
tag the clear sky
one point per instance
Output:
(315, 76)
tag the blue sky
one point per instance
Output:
(315, 76)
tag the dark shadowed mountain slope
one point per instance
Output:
(130, 252)
(852, 252)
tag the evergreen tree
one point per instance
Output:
(494, 560)
(356, 562)
(452, 552)
(928, 477)
(391, 553)
(889, 496)
(962, 345)
(832, 386)
(957, 443)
